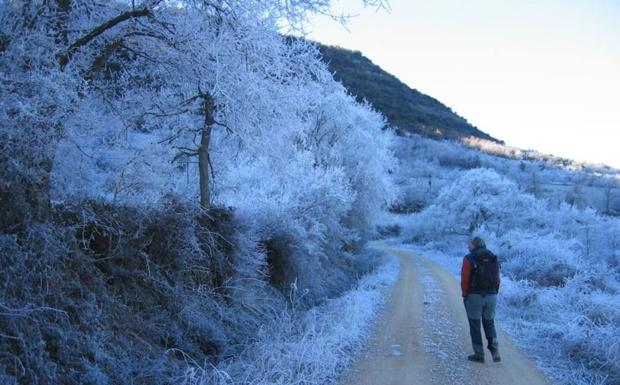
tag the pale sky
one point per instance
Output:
(538, 74)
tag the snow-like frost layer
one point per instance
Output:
(309, 347)
(440, 333)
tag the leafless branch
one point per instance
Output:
(210, 167)
(230, 130)
(65, 58)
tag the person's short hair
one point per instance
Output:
(478, 242)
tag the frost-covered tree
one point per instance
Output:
(180, 57)
(202, 99)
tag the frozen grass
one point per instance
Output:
(306, 347)
(111, 295)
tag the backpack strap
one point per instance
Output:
(472, 259)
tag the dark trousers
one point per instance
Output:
(481, 307)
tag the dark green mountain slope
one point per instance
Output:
(407, 109)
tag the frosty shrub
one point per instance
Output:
(123, 294)
(477, 198)
(299, 347)
(546, 260)
(99, 296)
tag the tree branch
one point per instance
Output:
(211, 167)
(230, 130)
(101, 60)
(187, 151)
(65, 58)
(184, 153)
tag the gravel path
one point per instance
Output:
(423, 337)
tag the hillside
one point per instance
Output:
(407, 109)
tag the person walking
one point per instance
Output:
(480, 282)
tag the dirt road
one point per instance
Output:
(423, 337)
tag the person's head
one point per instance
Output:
(476, 243)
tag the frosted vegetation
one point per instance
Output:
(186, 195)
(560, 257)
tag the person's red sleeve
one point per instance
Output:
(465, 276)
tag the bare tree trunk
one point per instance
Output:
(37, 188)
(203, 150)
(608, 199)
(588, 241)
(38, 193)
(63, 8)
(534, 184)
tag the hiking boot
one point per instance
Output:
(476, 358)
(495, 355)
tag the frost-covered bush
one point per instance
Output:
(580, 324)
(547, 260)
(477, 198)
(459, 159)
(313, 186)
(100, 294)
(312, 346)
(417, 174)
(110, 294)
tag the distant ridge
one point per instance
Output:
(405, 108)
